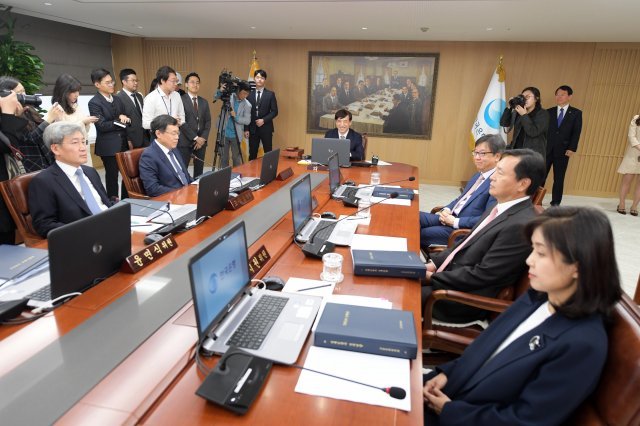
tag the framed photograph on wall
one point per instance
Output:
(388, 94)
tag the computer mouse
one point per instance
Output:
(273, 283)
(328, 215)
(152, 238)
(349, 183)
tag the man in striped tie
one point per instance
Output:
(161, 166)
(493, 255)
(465, 211)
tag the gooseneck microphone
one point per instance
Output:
(392, 391)
(152, 237)
(353, 200)
(318, 249)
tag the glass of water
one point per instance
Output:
(332, 268)
(364, 207)
(375, 178)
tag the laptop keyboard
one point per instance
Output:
(42, 294)
(346, 191)
(255, 327)
(177, 224)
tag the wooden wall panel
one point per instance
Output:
(603, 76)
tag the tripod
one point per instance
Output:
(225, 114)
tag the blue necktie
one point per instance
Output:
(88, 195)
(561, 116)
(181, 176)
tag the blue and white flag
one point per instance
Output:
(487, 121)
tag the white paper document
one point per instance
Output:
(376, 370)
(310, 287)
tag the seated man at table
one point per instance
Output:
(493, 255)
(343, 131)
(161, 166)
(465, 211)
(67, 190)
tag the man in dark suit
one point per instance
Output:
(110, 137)
(493, 255)
(67, 190)
(398, 119)
(132, 101)
(343, 131)
(346, 95)
(161, 166)
(194, 133)
(565, 126)
(465, 211)
(264, 108)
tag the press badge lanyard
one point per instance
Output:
(165, 104)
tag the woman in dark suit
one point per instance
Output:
(542, 357)
(530, 123)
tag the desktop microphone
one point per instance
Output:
(237, 175)
(318, 249)
(152, 237)
(353, 201)
(392, 391)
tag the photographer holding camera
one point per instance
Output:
(529, 121)
(239, 117)
(24, 126)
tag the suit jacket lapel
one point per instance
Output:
(64, 182)
(477, 192)
(498, 220)
(166, 161)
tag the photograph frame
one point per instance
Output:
(376, 94)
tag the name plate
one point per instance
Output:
(258, 260)
(149, 254)
(234, 203)
(285, 174)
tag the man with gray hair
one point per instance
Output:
(67, 190)
(465, 211)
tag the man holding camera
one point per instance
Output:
(197, 124)
(264, 108)
(239, 117)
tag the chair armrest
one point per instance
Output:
(452, 338)
(458, 233)
(138, 196)
(481, 302)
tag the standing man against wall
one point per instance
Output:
(137, 136)
(194, 133)
(163, 99)
(565, 125)
(264, 108)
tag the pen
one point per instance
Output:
(313, 288)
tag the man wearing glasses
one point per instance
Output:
(164, 99)
(465, 211)
(137, 136)
(110, 128)
(67, 190)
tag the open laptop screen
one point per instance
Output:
(301, 203)
(219, 274)
(334, 173)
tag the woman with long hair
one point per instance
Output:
(543, 356)
(530, 122)
(66, 92)
(630, 168)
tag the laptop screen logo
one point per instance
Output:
(97, 248)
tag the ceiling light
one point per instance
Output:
(365, 28)
(489, 29)
(48, 4)
(252, 27)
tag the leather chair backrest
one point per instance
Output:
(128, 162)
(16, 196)
(616, 400)
(538, 196)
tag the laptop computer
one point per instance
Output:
(268, 173)
(337, 189)
(227, 307)
(339, 232)
(81, 254)
(213, 193)
(323, 148)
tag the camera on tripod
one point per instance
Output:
(517, 100)
(33, 100)
(231, 84)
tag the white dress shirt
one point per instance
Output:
(158, 103)
(70, 171)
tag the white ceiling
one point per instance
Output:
(444, 20)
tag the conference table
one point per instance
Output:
(123, 352)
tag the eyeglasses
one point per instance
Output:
(172, 133)
(74, 143)
(480, 154)
(108, 83)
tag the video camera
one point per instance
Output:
(33, 100)
(231, 84)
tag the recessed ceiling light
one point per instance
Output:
(365, 28)
(48, 4)
(489, 29)
(139, 27)
(252, 27)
